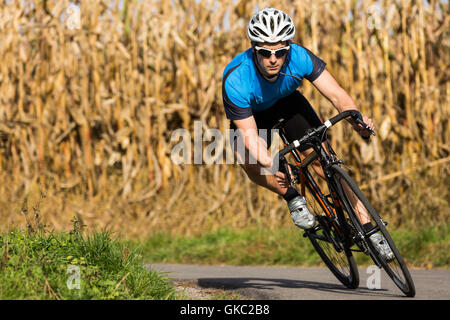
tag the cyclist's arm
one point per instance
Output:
(253, 143)
(340, 99)
(330, 89)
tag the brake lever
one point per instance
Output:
(365, 126)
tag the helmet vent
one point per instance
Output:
(261, 32)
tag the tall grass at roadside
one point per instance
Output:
(46, 265)
(87, 113)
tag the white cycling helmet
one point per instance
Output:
(271, 25)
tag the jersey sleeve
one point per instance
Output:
(237, 107)
(313, 66)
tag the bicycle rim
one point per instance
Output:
(340, 262)
(354, 203)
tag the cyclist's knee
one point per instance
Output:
(315, 164)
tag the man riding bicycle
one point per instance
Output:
(260, 87)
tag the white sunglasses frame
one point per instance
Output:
(273, 51)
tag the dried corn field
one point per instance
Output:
(87, 111)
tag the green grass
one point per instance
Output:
(428, 247)
(36, 266)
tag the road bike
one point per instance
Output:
(339, 231)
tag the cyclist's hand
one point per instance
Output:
(281, 179)
(361, 130)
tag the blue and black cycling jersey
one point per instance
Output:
(245, 91)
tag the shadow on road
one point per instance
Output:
(263, 288)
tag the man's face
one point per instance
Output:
(270, 66)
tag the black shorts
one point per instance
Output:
(297, 112)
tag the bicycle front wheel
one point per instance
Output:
(358, 208)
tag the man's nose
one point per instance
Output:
(273, 58)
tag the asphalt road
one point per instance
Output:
(295, 283)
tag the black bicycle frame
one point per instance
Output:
(334, 208)
(328, 207)
(326, 161)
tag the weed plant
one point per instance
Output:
(40, 264)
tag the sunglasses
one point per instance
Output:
(267, 53)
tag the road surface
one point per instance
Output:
(296, 283)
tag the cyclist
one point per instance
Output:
(259, 87)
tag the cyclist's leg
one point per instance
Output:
(302, 118)
(252, 168)
(315, 164)
(253, 171)
(289, 108)
(357, 205)
(292, 110)
(360, 209)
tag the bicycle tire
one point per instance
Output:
(341, 263)
(395, 268)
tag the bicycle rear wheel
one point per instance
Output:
(328, 240)
(355, 202)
